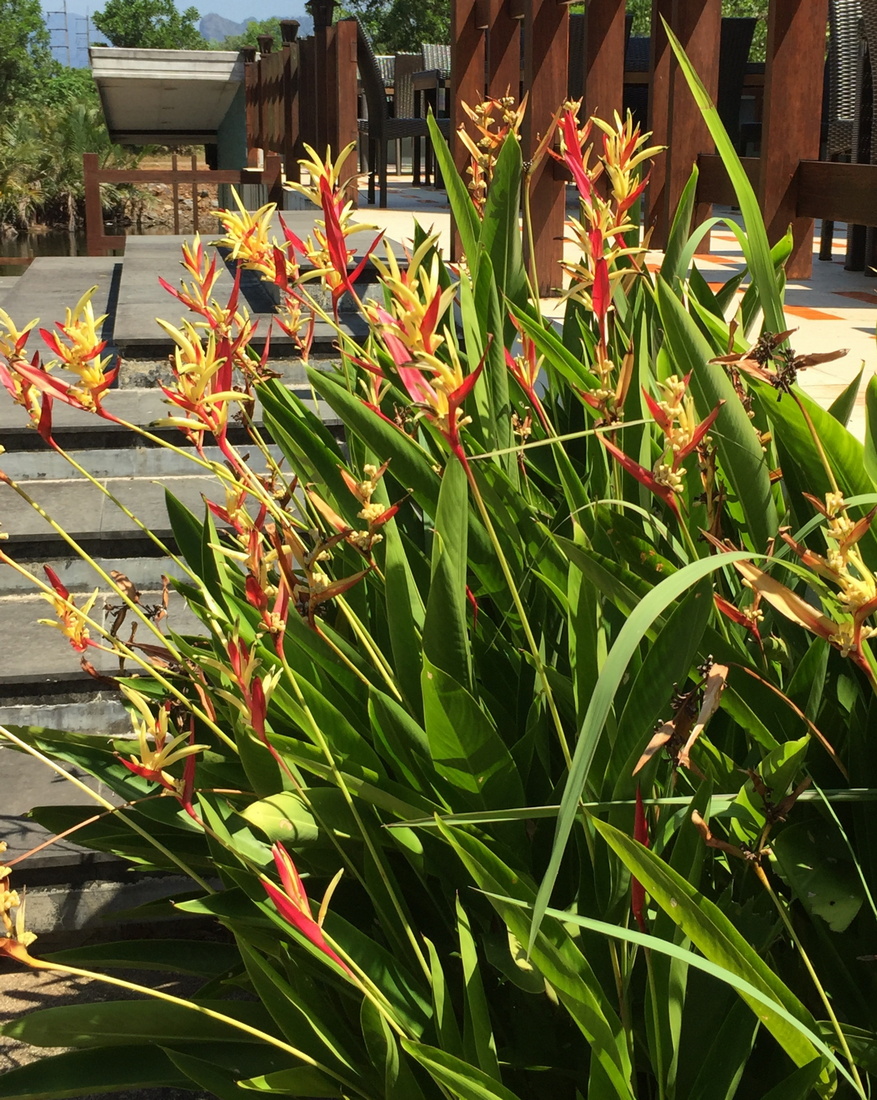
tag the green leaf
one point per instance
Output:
(842, 406)
(478, 1041)
(464, 744)
(810, 859)
(740, 453)
(283, 816)
(463, 1079)
(119, 1022)
(85, 1072)
(500, 225)
(462, 208)
(614, 669)
(302, 1081)
(798, 1085)
(445, 629)
(871, 428)
(756, 248)
(725, 1059)
(188, 531)
(405, 613)
(674, 266)
(207, 960)
(713, 934)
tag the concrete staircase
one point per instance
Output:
(41, 681)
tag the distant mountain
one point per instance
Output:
(215, 27)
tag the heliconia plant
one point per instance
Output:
(524, 749)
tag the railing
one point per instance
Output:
(99, 243)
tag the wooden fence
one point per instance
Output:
(99, 242)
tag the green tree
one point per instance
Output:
(251, 34)
(24, 50)
(401, 25)
(150, 25)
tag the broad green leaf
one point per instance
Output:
(741, 455)
(118, 1023)
(284, 817)
(798, 1085)
(745, 987)
(466, 219)
(842, 406)
(871, 428)
(445, 629)
(713, 934)
(86, 1072)
(462, 1079)
(464, 743)
(810, 859)
(405, 612)
(444, 1017)
(207, 960)
(501, 225)
(301, 1081)
(725, 1058)
(478, 1041)
(614, 669)
(672, 268)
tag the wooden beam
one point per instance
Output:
(792, 110)
(341, 98)
(604, 58)
(546, 59)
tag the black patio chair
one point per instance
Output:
(380, 128)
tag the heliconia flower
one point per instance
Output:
(637, 890)
(748, 617)
(71, 620)
(247, 235)
(16, 939)
(664, 490)
(292, 904)
(417, 302)
(78, 347)
(495, 120)
(12, 338)
(675, 416)
(158, 749)
(196, 296)
(623, 152)
(575, 152)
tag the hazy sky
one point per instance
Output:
(238, 10)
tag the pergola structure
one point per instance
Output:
(490, 36)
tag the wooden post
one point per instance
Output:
(698, 26)
(790, 128)
(660, 55)
(468, 59)
(503, 51)
(175, 192)
(546, 59)
(604, 61)
(251, 88)
(290, 112)
(307, 94)
(341, 100)
(194, 164)
(94, 215)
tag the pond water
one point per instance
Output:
(16, 252)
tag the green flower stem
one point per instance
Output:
(365, 638)
(105, 577)
(550, 441)
(118, 648)
(823, 996)
(193, 1006)
(116, 810)
(99, 485)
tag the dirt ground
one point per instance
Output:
(154, 209)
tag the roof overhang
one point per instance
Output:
(165, 97)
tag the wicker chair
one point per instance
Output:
(380, 128)
(843, 93)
